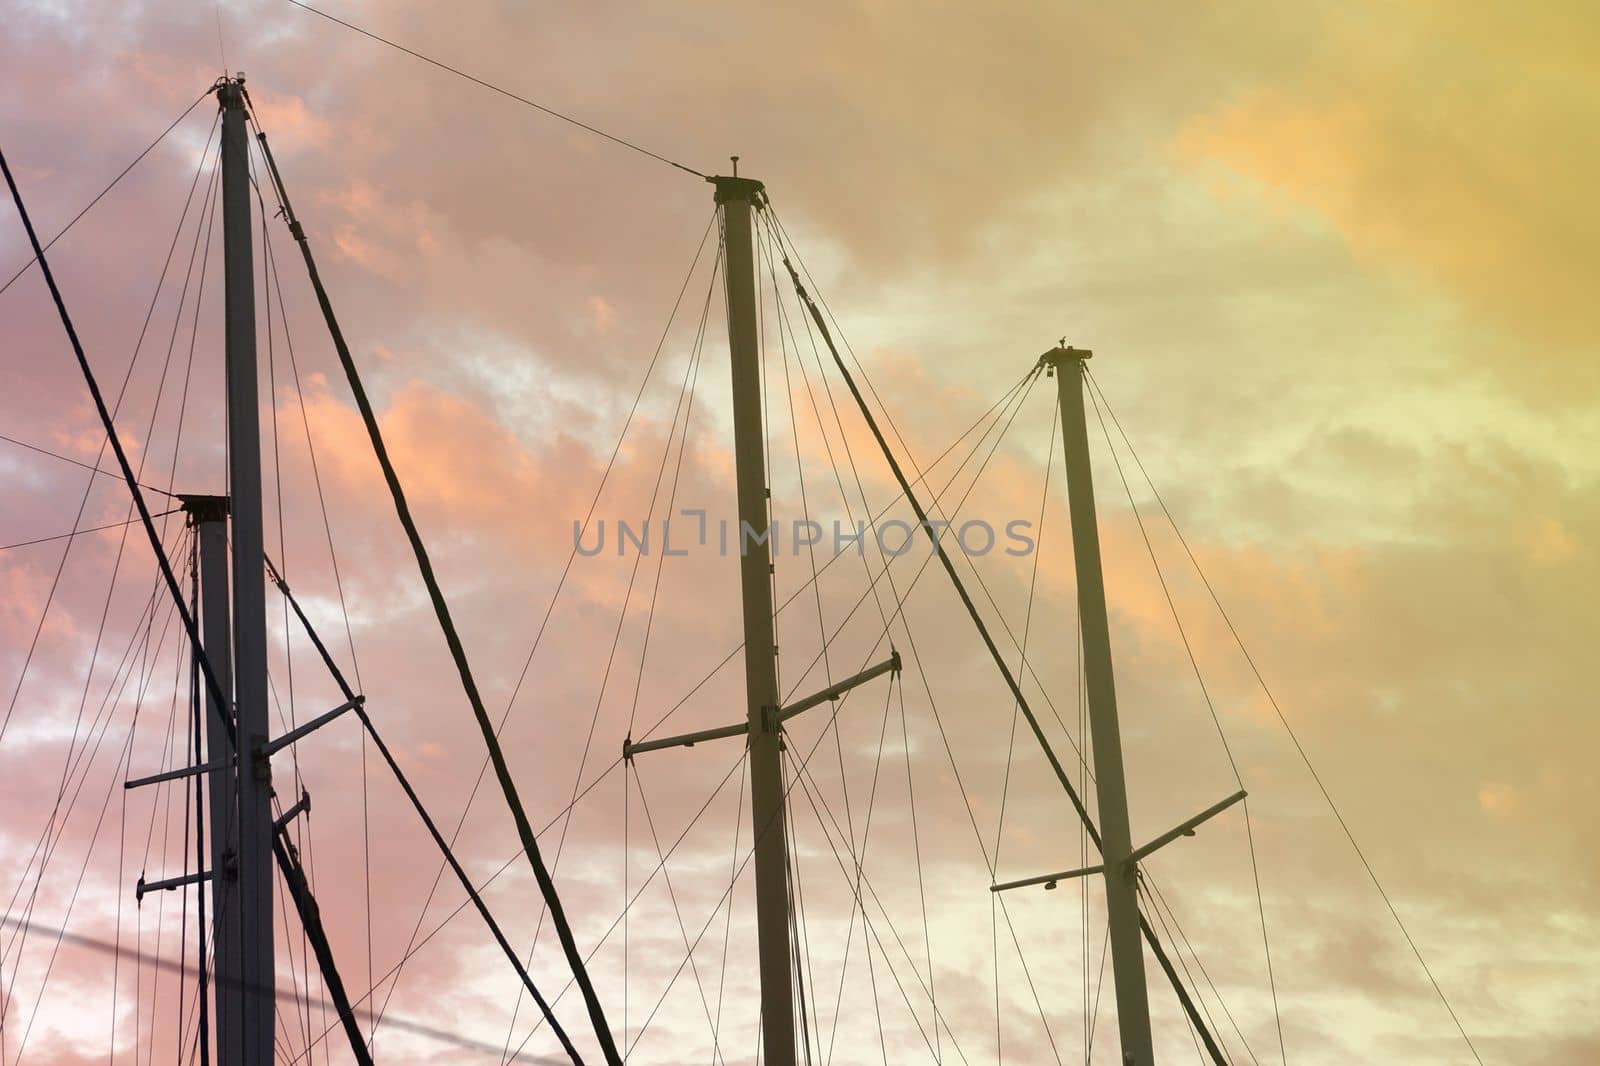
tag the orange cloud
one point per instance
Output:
(1417, 160)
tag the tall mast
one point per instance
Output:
(254, 834)
(738, 196)
(209, 517)
(1116, 844)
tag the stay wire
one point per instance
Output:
(127, 376)
(167, 574)
(1183, 941)
(1016, 714)
(47, 842)
(685, 404)
(474, 896)
(74, 754)
(16, 940)
(451, 634)
(1027, 628)
(344, 610)
(1205, 692)
(694, 820)
(899, 605)
(613, 138)
(144, 456)
(803, 778)
(81, 532)
(81, 464)
(23, 269)
(1145, 929)
(561, 584)
(77, 888)
(1293, 737)
(553, 821)
(683, 931)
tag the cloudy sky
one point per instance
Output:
(1336, 264)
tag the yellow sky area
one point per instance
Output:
(1337, 264)
(1452, 140)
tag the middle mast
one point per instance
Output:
(739, 198)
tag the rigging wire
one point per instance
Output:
(72, 899)
(684, 406)
(344, 610)
(686, 398)
(1008, 397)
(1284, 721)
(451, 635)
(81, 464)
(83, 502)
(555, 596)
(118, 952)
(1066, 784)
(56, 823)
(1016, 714)
(1147, 931)
(49, 844)
(1194, 664)
(106, 420)
(81, 532)
(811, 752)
(503, 92)
(473, 895)
(1010, 393)
(803, 778)
(46, 843)
(23, 269)
(672, 895)
(304, 840)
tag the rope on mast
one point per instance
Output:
(452, 637)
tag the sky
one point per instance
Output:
(1335, 262)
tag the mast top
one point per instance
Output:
(230, 90)
(1061, 354)
(200, 508)
(737, 188)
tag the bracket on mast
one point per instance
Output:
(891, 665)
(272, 747)
(173, 775)
(1185, 829)
(171, 883)
(1048, 880)
(687, 740)
(302, 806)
(832, 692)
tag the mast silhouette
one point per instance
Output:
(209, 517)
(738, 197)
(252, 1044)
(1116, 842)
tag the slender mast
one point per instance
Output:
(738, 197)
(209, 517)
(1116, 844)
(254, 833)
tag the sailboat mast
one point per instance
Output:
(1116, 845)
(737, 197)
(209, 517)
(254, 786)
